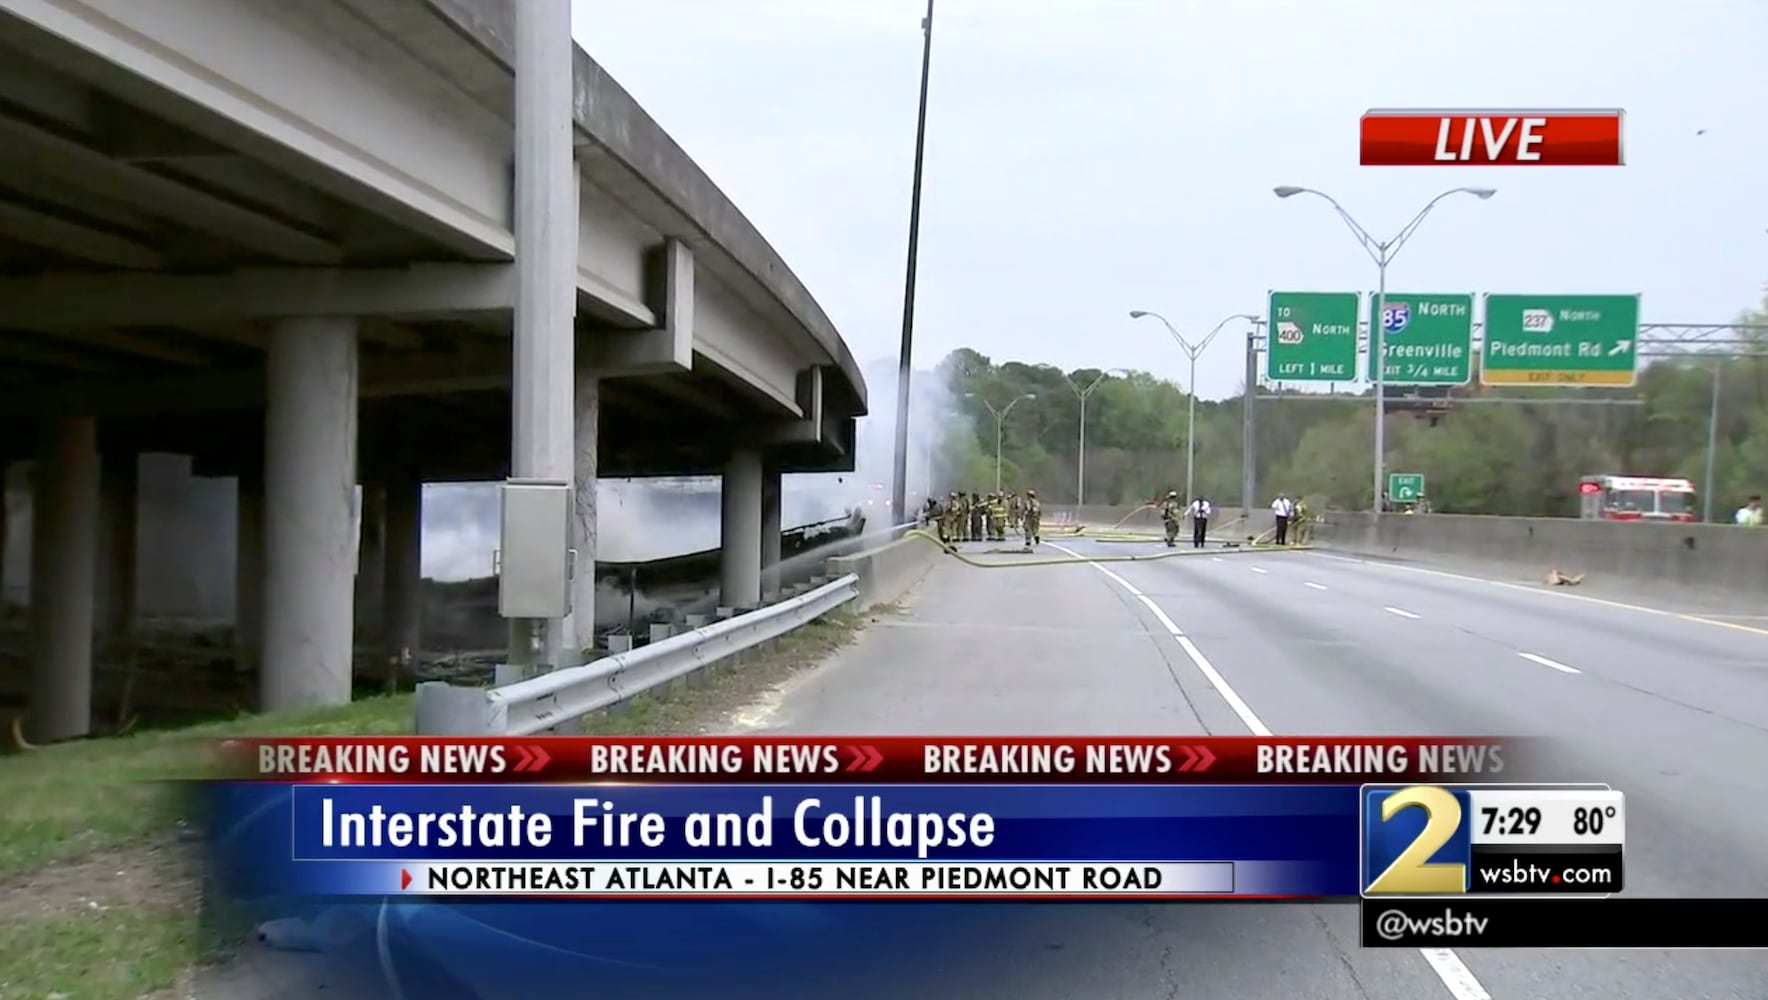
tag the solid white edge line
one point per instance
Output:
(1148, 602)
(1545, 662)
(1454, 974)
(1402, 612)
(1316, 586)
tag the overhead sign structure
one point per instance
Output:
(1426, 339)
(1313, 337)
(1561, 340)
(1405, 487)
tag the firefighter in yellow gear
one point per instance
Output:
(997, 518)
(1172, 514)
(1033, 526)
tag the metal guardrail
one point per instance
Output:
(539, 704)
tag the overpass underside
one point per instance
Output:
(278, 239)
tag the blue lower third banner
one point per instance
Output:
(658, 891)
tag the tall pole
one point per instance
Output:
(1378, 361)
(1080, 485)
(1248, 430)
(1706, 490)
(543, 373)
(1382, 252)
(900, 472)
(1000, 416)
(1192, 352)
(1080, 475)
(1191, 433)
(1000, 422)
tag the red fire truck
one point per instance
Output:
(1635, 498)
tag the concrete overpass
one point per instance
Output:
(280, 237)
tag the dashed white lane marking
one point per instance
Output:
(1545, 662)
(1259, 569)
(1316, 586)
(1402, 612)
(1454, 973)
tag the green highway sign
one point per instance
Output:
(1405, 487)
(1560, 340)
(1313, 337)
(1427, 339)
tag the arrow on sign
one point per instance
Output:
(1204, 759)
(1197, 759)
(864, 759)
(1621, 347)
(404, 879)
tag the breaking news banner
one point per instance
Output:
(1212, 760)
(1444, 138)
(1566, 923)
(762, 866)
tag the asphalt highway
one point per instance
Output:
(1669, 707)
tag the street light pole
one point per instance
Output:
(1192, 352)
(1080, 484)
(900, 465)
(1000, 416)
(1383, 253)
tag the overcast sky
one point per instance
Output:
(1088, 158)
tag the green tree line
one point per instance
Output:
(1483, 450)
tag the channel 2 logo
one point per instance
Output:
(1395, 317)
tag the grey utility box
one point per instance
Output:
(534, 564)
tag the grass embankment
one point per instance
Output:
(99, 897)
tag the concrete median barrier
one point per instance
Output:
(1716, 557)
(888, 571)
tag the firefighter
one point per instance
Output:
(1033, 515)
(1172, 511)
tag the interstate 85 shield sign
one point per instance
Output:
(1395, 316)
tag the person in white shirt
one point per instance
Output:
(1282, 509)
(1750, 514)
(1200, 511)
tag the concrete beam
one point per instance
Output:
(664, 349)
(482, 370)
(120, 298)
(72, 239)
(192, 207)
(139, 345)
(809, 429)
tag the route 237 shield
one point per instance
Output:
(1395, 316)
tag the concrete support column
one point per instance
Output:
(740, 548)
(5, 518)
(581, 625)
(248, 567)
(64, 560)
(309, 500)
(770, 531)
(120, 501)
(402, 600)
(371, 557)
